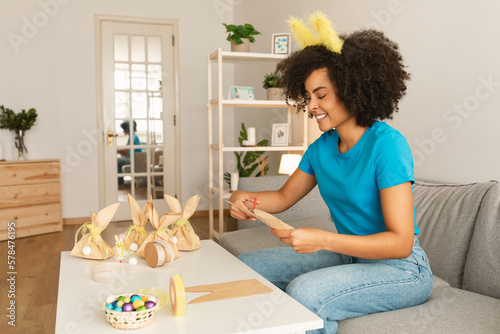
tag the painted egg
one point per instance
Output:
(132, 261)
(118, 309)
(134, 298)
(86, 250)
(126, 299)
(149, 304)
(127, 307)
(138, 303)
(141, 308)
(145, 298)
(120, 298)
(109, 306)
(152, 299)
(134, 247)
(110, 299)
(174, 240)
(119, 303)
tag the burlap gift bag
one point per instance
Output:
(136, 234)
(187, 240)
(162, 231)
(91, 245)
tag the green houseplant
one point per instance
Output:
(248, 162)
(19, 123)
(270, 83)
(240, 36)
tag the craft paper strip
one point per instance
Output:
(235, 289)
(265, 217)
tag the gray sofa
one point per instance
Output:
(460, 231)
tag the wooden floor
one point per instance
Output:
(37, 265)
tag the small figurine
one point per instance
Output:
(119, 247)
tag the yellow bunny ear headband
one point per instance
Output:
(326, 35)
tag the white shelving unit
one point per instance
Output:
(219, 103)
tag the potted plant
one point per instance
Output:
(270, 83)
(19, 123)
(240, 36)
(248, 162)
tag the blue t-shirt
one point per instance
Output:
(350, 182)
(137, 141)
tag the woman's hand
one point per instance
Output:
(244, 199)
(303, 239)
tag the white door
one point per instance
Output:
(139, 109)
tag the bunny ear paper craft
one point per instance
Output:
(265, 217)
(136, 233)
(187, 239)
(91, 245)
(162, 232)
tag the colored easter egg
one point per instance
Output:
(109, 307)
(127, 307)
(138, 303)
(145, 298)
(86, 250)
(149, 304)
(126, 299)
(134, 247)
(141, 308)
(120, 298)
(152, 299)
(118, 309)
(114, 303)
(119, 303)
(134, 298)
(110, 299)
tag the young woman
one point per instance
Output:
(364, 171)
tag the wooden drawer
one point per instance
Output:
(31, 220)
(33, 194)
(29, 173)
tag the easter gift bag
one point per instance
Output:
(162, 232)
(136, 234)
(187, 240)
(91, 245)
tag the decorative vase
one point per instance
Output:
(245, 47)
(274, 93)
(21, 149)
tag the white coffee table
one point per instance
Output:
(79, 300)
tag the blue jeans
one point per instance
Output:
(337, 287)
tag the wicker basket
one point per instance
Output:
(131, 320)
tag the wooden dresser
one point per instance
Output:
(30, 195)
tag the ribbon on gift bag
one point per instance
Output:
(136, 232)
(187, 239)
(162, 231)
(91, 235)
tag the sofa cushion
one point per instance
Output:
(448, 310)
(446, 215)
(482, 269)
(311, 206)
(250, 239)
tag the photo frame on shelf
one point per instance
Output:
(241, 93)
(281, 44)
(280, 134)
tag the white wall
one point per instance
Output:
(54, 72)
(451, 50)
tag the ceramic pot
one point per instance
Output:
(274, 93)
(245, 47)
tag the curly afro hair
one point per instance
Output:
(368, 76)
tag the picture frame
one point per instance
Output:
(281, 43)
(279, 135)
(241, 93)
